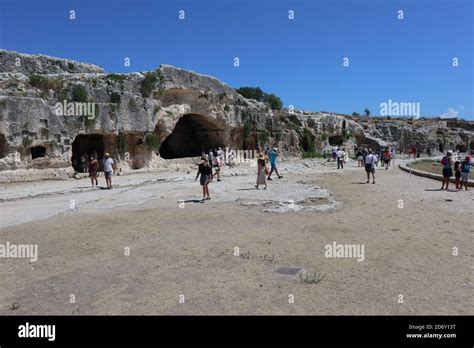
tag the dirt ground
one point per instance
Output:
(182, 257)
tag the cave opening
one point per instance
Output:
(336, 140)
(192, 135)
(37, 151)
(83, 147)
(3, 146)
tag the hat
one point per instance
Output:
(450, 152)
(275, 149)
(261, 156)
(106, 154)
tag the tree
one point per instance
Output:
(256, 93)
(251, 93)
(367, 112)
(355, 114)
(274, 101)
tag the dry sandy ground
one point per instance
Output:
(189, 250)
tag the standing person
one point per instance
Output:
(457, 174)
(334, 153)
(273, 154)
(262, 171)
(386, 156)
(360, 158)
(340, 159)
(108, 168)
(210, 158)
(83, 162)
(447, 162)
(93, 170)
(370, 166)
(376, 159)
(205, 171)
(231, 158)
(216, 163)
(465, 170)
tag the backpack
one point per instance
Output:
(465, 167)
(444, 161)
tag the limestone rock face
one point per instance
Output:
(40, 64)
(55, 113)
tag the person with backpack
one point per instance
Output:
(447, 163)
(465, 171)
(205, 171)
(370, 166)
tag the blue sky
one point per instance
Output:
(301, 60)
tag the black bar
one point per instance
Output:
(194, 330)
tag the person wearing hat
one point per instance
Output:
(108, 163)
(205, 171)
(465, 170)
(272, 155)
(447, 162)
(261, 171)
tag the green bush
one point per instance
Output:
(156, 109)
(45, 133)
(45, 84)
(152, 141)
(308, 141)
(79, 94)
(116, 78)
(259, 95)
(122, 144)
(262, 138)
(150, 82)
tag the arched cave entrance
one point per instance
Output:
(37, 151)
(192, 135)
(441, 147)
(3, 146)
(336, 140)
(87, 145)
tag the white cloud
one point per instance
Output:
(451, 113)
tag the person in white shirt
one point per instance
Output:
(108, 168)
(370, 166)
(340, 158)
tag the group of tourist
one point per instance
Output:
(462, 170)
(108, 166)
(210, 165)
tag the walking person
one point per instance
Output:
(465, 171)
(108, 168)
(205, 171)
(93, 170)
(273, 154)
(340, 159)
(370, 166)
(447, 162)
(386, 157)
(334, 153)
(262, 171)
(216, 164)
(360, 158)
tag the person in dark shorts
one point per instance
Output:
(370, 166)
(447, 163)
(93, 170)
(108, 163)
(205, 171)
